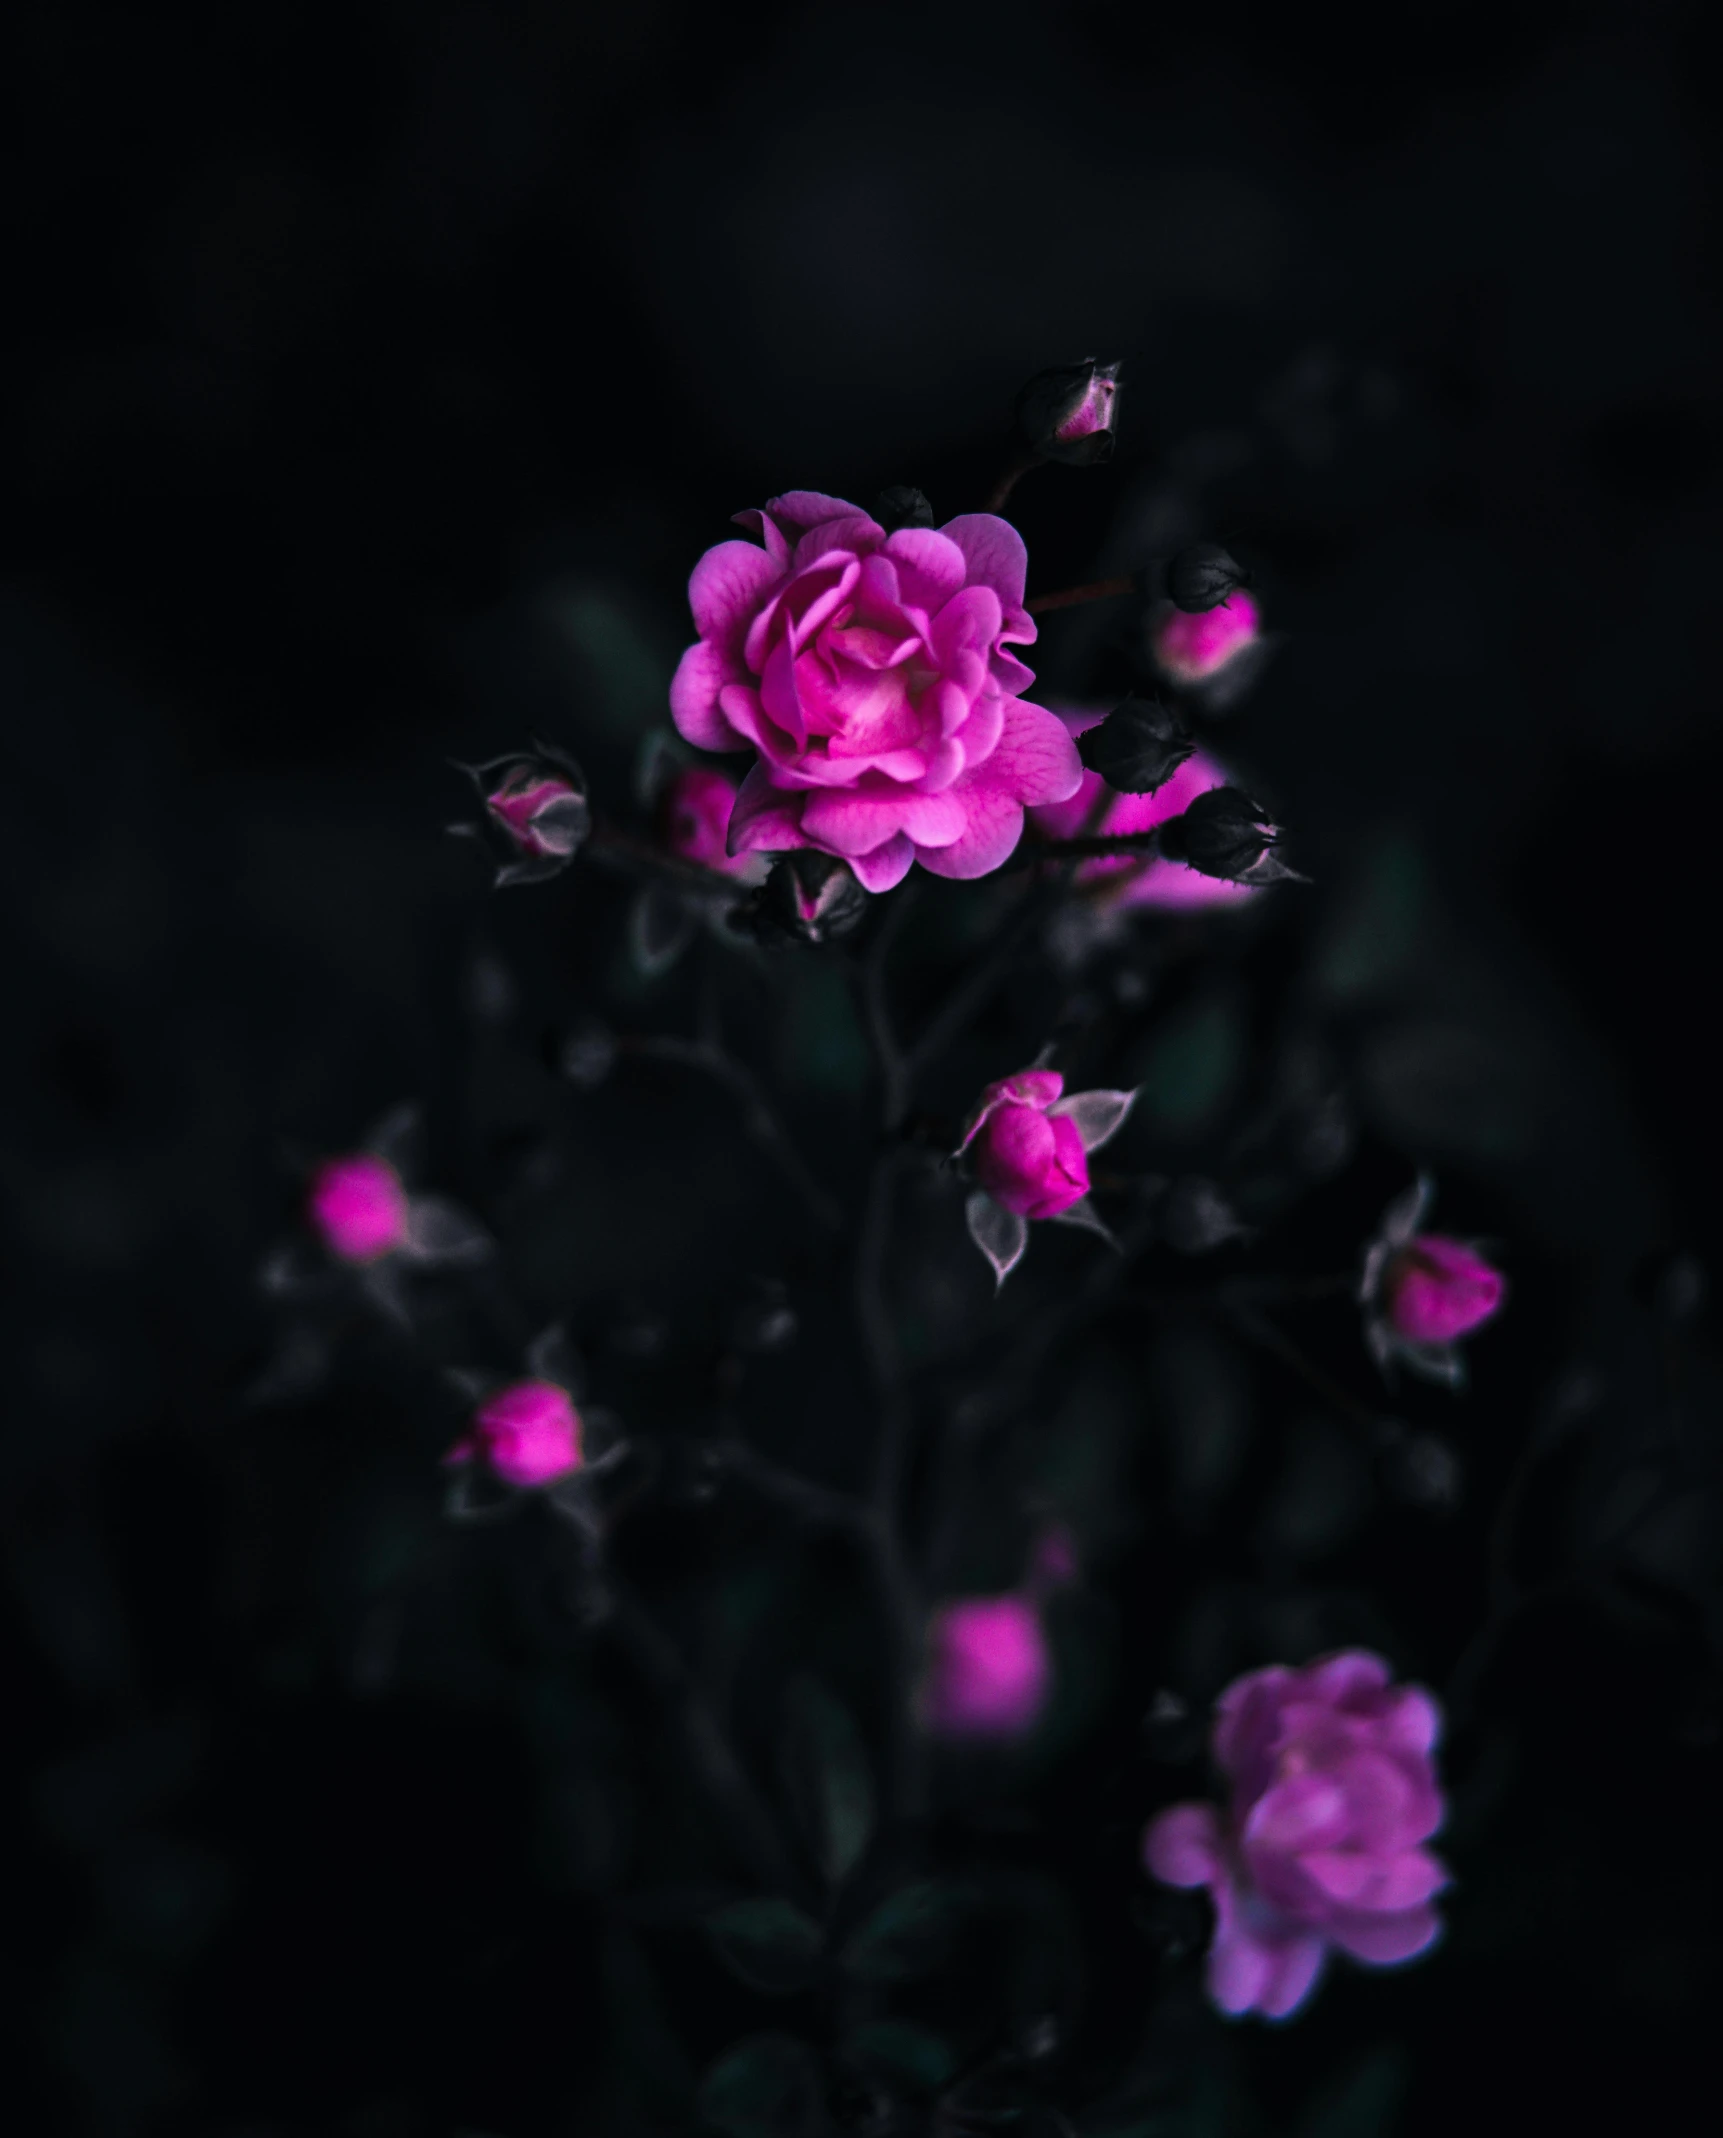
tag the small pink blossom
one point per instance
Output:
(1029, 1151)
(1138, 879)
(1192, 648)
(988, 1672)
(358, 1207)
(544, 815)
(527, 1434)
(1071, 413)
(872, 675)
(694, 811)
(1423, 1291)
(1333, 1793)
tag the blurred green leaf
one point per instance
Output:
(826, 1772)
(907, 1934)
(901, 2052)
(1377, 926)
(767, 1942)
(766, 2087)
(1189, 1066)
(1363, 2103)
(822, 1044)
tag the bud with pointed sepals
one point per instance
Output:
(1028, 1148)
(1423, 1291)
(902, 506)
(1138, 747)
(1224, 833)
(1071, 413)
(808, 898)
(1203, 576)
(535, 809)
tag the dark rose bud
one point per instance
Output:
(1202, 576)
(1224, 833)
(1070, 414)
(1138, 747)
(808, 898)
(536, 812)
(902, 506)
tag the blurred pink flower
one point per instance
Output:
(526, 1434)
(871, 673)
(694, 812)
(1138, 880)
(1192, 648)
(1333, 1794)
(1423, 1291)
(988, 1672)
(358, 1207)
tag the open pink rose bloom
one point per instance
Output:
(1138, 879)
(988, 1673)
(527, 1434)
(1333, 1794)
(872, 674)
(358, 1208)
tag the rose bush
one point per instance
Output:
(872, 674)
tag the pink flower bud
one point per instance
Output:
(358, 1208)
(545, 816)
(1333, 1793)
(988, 1672)
(1070, 413)
(1029, 1160)
(1436, 1290)
(527, 1434)
(695, 814)
(1192, 648)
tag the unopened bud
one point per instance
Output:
(1224, 833)
(902, 506)
(535, 808)
(1138, 747)
(1201, 577)
(1070, 414)
(808, 898)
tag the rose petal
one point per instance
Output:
(1182, 1846)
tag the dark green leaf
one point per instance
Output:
(904, 2054)
(826, 1771)
(906, 1935)
(766, 2087)
(768, 1942)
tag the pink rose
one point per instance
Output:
(526, 1434)
(694, 811)
(1333, 1793)
(1138, 879)
(871, 674)
(1029, 1151)
(1192, 648)
(988, 1672)
(1422, 1291)
(358, 1207)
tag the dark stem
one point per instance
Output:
(1263, 1333)
(815, 1503)
(888, 1054)
(1073, 597)
(1117, 842)
(1016, 468)
(621, 851)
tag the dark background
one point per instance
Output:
(372, 379)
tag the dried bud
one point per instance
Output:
(902, 506)
(535, 809)
(1070, 414)
(1201, 577)
(1138, 747)
(808, 898)
(1224, 833)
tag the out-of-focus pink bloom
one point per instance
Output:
(1333, 1793)
(695, 813)
(1192, 648)
(527, 1434)
(988, 1672)
(1029, 1158)
(1436, 1290)
(871, 673)
(1136, 879)
(545, 816)
(1423, 1291)
(358, 1207)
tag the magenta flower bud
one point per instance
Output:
(1071, 413)
(1436, 1290)
(545, 816)
(1332, 1795)
(694, 811)
(1029, 1151)
(1423, 1291)
(358, 1208)
(806, 898)
(1193, 648)
(527, 1434)
(988, 1672)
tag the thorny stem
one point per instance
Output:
(712, 1060)
(1073, 597)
